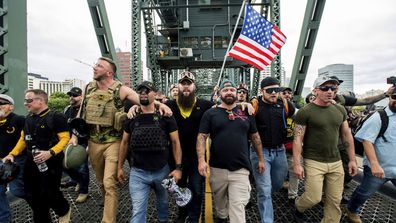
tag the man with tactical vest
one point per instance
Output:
(271, 114)
(102, 109)
(11, 126)
(79, 176)
(44, 136)
(148, 138)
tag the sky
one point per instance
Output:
(357, 32)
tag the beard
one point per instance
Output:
(392, 107)
(186, 101)
(229, 100)
(2, 114)
(144, 101)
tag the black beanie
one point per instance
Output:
(268, 81)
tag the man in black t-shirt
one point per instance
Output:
(47, 132)
(11, 126)
(188, 111)
(229, 128)
(148, 138)
(80, 174)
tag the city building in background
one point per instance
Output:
(343, 72)
(124, 66)
(36, 81)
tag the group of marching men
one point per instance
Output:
(161, 140)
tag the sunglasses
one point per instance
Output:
(327, 88)
(272, 90)
(241, 91)
(393, 96)
(143, 90)
(29, 100)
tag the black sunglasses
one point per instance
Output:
(241, 91)
(143, 89)
(327, 88)
(393, 96)
(29, 100)
(73, 95)
(272, 90)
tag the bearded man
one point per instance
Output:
(229, 127)
(188, 111)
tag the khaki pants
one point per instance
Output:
(231, 193)
(317, 175)
(104, 158)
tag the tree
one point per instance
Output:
(58, 101)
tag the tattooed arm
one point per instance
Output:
(347, 139)
(256, 142)
(299, 132)
(201, 146)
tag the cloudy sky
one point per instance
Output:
(358, 32)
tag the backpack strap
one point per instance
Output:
(384, 124)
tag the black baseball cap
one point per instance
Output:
(75, 91)
(147, 84)
(336, 78)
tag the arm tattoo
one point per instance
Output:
(256, 141)
(201, 144)
(299, 130)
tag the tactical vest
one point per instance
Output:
(101, 106)
(147, 137)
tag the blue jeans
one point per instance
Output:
(140, 183)
(271, 180)
(370, 184)
(16, 188)
(81, 176)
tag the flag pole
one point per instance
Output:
(229, 44)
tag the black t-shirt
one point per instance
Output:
(345, 100)
(271, 122)
(150, 160)
(41, 129)
(229, 148)
(188, 127)
(10, 132)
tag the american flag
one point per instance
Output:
(259, 41)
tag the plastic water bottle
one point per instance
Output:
(42, 167)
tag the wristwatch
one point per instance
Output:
(179, 167)
(52, 152)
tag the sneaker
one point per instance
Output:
(81, 198)
(65, 218)
(68, 184)
(353, 217)
(298, 216)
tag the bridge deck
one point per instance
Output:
(379, 208)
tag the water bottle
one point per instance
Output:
(42, 167)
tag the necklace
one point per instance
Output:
(231, 115)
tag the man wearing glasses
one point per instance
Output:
(11, 126)
(47, 132)
(80, 176)
(242, 93)
(148, 138)
(271, 114)
(318, 126)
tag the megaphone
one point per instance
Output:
(8, 171)
(183, 196)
